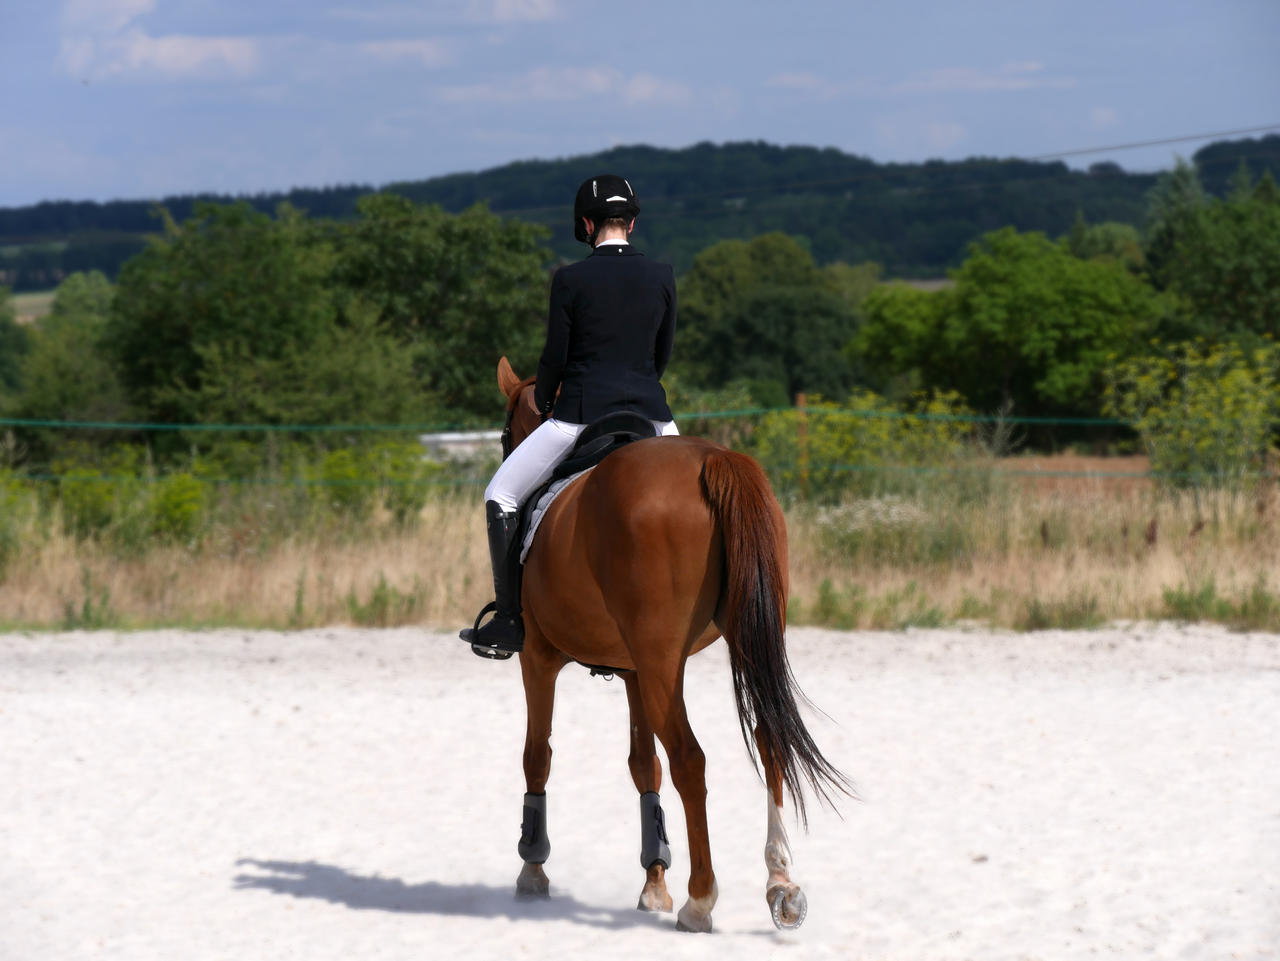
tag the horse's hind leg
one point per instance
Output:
(785, 899)
(662, 694)
(646, 772)
(539, 667)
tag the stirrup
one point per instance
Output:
(469, 634)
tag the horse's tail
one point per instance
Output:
(752, 617)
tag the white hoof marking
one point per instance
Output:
(696, 913)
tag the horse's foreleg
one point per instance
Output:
(646, 772)
(786, 901)
(663, 699)
(539, 671)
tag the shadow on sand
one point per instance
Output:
(325, 882)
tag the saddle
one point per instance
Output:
(601, 438)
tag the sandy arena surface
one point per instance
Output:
(346, 794)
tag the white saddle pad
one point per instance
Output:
(540, 510)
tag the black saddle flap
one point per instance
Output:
(601, 438)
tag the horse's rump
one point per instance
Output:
(632, 538)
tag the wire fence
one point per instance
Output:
(430, 435)
(693, 415)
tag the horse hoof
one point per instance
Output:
(655, 896)
(532, 883)
(681, 926)
(654, 901)
(693, 922)
(789, 908)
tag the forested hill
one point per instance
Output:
(914, 219)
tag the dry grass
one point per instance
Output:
(431, 575)
(1036, 559)
(1025, 558)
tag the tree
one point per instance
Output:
(352, 373)
(763, 311)
(1223, 264)
(1109, 241)
(69, 374)
(14, 344)
(1027, 325)
(900, 324)
(458, 291)
(229, 278)
(1173, 205)
(81, 295)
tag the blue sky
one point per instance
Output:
(143, 98)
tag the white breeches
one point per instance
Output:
(532, 463)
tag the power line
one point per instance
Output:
(882, 173)
(1137, 144)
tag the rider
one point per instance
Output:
(610, 328)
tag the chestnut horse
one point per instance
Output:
(665, 546)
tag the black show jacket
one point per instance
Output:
(609, 334)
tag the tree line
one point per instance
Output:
(398, 316)
(914, 219)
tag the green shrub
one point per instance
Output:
(386, 606)
(406, 477)
(1256, 609)
(1076, 611)
(868, 447)
(93, 612)
(88, 501)
(1205, 414)
(906, 607)
(343, 484)
(19, 507)
(177, 508)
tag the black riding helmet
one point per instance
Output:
(599, 199)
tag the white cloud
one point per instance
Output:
(544, 83)
(646, 88)
(1021, 75)
(177, 54)
(548, 84)
(514, 11)
(100, 39)
(1103, 117)
(173, 55)
(430, 53)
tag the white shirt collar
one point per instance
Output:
(607, 243)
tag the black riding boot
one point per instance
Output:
(504, 634)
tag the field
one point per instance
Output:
(30, 307)
(346, 793)
(1044, 548)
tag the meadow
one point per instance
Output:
(1030, 544)
(30, 307)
